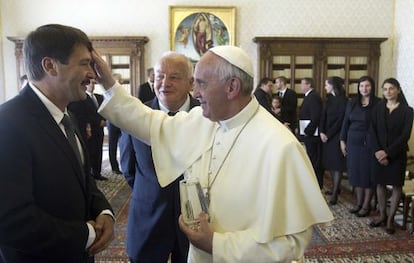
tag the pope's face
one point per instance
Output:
(209, 89)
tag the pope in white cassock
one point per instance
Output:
(264, 197)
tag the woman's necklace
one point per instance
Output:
(211, 179)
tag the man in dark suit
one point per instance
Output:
(309, 118)
(146, 90)
(289, 102)
(91, 125)
(263, 93)
(50, 209)
(153, 232)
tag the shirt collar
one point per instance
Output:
(307, 93)
(56, 113)
(242, 117)
(184, 107)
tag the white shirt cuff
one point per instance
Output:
(92, 233)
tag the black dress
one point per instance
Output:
(331, 123)
(390, 131)
(354, 132)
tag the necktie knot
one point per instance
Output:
(172, 113)
(67, 123)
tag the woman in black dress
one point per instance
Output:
(330, 129)
(354, 145)
(392, 121)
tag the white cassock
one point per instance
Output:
(264, 199)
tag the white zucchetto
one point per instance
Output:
(235, 56)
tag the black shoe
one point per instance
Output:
(334, 200)
(390, 231)
(100, 178)
(363, 212)
(355, 209)
(378, 223)
(116, 171)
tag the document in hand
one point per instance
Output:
(302, 126)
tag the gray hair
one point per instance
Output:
(176, 55)
(226, 70)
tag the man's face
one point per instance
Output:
(268, 87)
(151, 76)
(278, 84)
(209, 89)
(305, 87)
(73, 77)
(172, 83)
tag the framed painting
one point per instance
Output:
(195, 29)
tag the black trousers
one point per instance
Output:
(314, 150)
(113, 136)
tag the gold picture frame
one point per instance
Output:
(195, 29)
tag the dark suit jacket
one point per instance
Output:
(153, 217)
(289, 107)
(45, 197)
(264, 99)
(311, 109)
(145, 93)
(86, 112)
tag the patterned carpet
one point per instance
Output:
(350, 239)
(346, 239)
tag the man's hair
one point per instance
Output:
(226, 70)
(308, 81)
(282, 79)
(176, 55)
(149, 71)
(54, 41)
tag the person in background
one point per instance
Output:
(354, 147)
(50, 208)
(160, 209)
(392, 121)
(309, 120)
(146, 90)
(330, 128)
(289, 102)
(277, 107)
(23, 81)
(255, 221)
(263, 93)
(91, 125)
(114, 133)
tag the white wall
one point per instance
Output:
(322, 18)
(403, 52)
